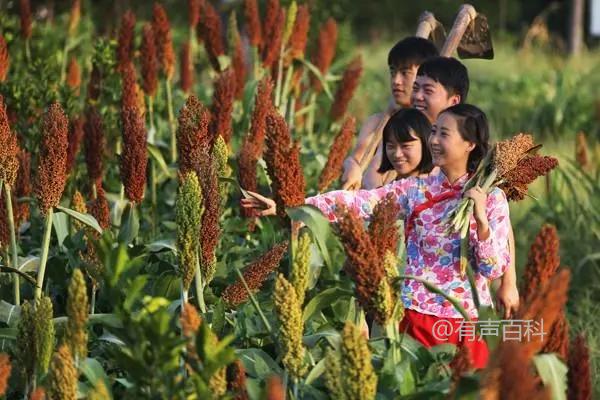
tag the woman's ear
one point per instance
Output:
(471, 146)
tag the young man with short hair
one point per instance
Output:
(404, 59)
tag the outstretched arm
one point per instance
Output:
(361, 201)
(260, 205)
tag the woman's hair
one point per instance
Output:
(405, 125)
(473, 127)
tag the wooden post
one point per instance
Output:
(576, 27)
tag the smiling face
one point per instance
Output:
(431, 97)
(405, 157)
(401, 83)
(448, 148)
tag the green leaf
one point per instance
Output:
(487, 313)
(224, 61)
(304, 110)
(408, 383)
(236, 184)
(331, 335)
(29, 263)
(319, 226)
(116, 213)
(93, 371)
(127, 384)
(218, 318)
(258, 363)
(316, 372)
(8, 333)
(110, 338)
(9, 313)
(249, 92)
(133, 291)
(415, 350)
(61, 226)
(110, 320)
(312, 68)
(130, 225)
(167, 285)
(323, 300)
(553, 373)
(85, 218)
(155, 153)
(254, 388)
(159, 245)
(118, 262)
(468, 388)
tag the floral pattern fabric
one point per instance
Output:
(432, 253)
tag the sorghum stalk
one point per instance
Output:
(44, 254)
(171, 116)
(285, 90)
(63, 62)
(279, 75)
(292, 113)
(255, 304)
(199, 286)
(153, 195)
(93, 300)
(310, 119)
(13, 242)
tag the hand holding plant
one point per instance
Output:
(511, 165)
(261, 206)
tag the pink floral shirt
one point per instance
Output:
(432, 254)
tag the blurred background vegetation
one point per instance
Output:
(544, 80)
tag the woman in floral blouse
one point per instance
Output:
(458, 141)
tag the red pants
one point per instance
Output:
(428, 330)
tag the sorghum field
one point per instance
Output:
(128, 269)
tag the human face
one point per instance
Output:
(404, 156)
(448, 149)
(401, 82)
(430, 97)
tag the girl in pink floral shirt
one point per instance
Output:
(458, 142)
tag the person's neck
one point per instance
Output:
(409, 175)
(453, 173)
